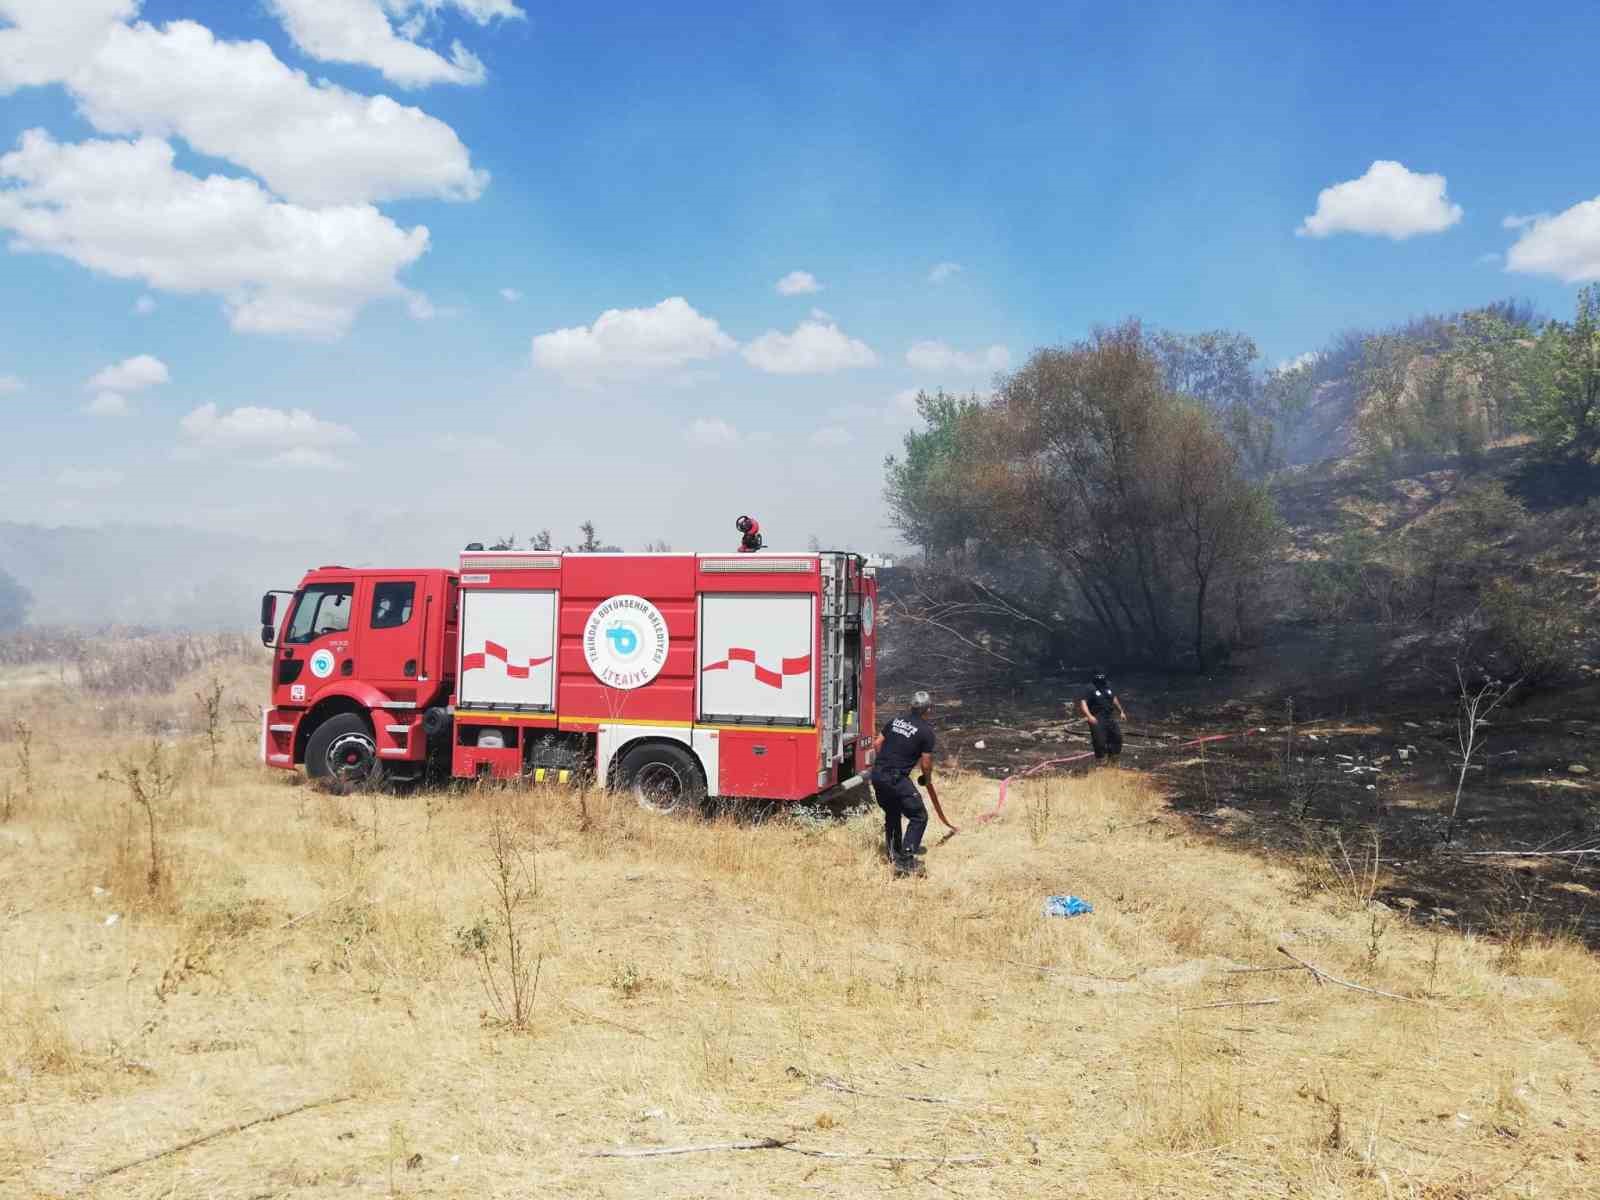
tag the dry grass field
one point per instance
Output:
(692, 982)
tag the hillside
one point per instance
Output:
(1422, 557)
(136, 575)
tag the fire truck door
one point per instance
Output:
(390, 613)
(320, 639)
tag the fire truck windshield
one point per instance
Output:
(322, 608)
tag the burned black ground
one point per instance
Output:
(1348, 773)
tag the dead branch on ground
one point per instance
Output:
(1322, 976)
(227, 1131)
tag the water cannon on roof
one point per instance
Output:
(752, 539)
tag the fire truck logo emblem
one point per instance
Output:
(867, 616)
(321, 664)
(625, 642)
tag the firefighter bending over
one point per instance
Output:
(905, 742)
(1104, 710)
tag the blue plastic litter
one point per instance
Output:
(1066, 906)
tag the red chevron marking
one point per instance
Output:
(473, 662)
(773, 679)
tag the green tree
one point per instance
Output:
(925, 489)
(1217, 370)
(1222, 523)
(1091, 492)
(1385, 426)
(14, 602)
(1561, 403)
(591, 543)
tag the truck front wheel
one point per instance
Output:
(342, 753)
(663, 777)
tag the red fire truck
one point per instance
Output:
(677, 676)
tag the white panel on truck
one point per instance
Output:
(756, 658)
(508, 646)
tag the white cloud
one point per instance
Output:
(711, 431)
(123, 209)
(1566, 246)
(937, 356)
(903, 405)
(10, 385)
(286, 437)
(630, 341)
(798, 283)
(1389, 201)
(510, 295)
(132, 374)
(1513, 221)
(312, 143)
(47, 39)
(831, 435)
(1488, 259)
(359, 31)
(306, 458)
(814, 348)
(943, 272)
(820, 314)
(1308, 359)
(481, 11)
(144, 305)
(89, 479)
(108, 404)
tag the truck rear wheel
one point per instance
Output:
(342, 754)
(663, 777)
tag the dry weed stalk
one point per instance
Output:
(1474, 715)
(510, 979)
(210, 702)
(1039, 816)
(150, 787)
(23, 732)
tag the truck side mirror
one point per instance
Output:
(269, 618)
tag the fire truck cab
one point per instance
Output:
(362, 662)
(676, 676)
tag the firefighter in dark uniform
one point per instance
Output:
(905, 742)
(1104, 710)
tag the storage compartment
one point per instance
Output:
(756, 655)
(507, 650)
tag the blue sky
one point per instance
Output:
(1070, 166)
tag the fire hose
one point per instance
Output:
(1072, 758)
(933, 792)
(856, 781)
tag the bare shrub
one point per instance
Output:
(22, 734)
(1476, 705)
(1532, 627)
(507, 965)
(210, 702)
(150, 785)
(153, 664)
(1328, 864)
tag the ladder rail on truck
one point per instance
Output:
(677, 676)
